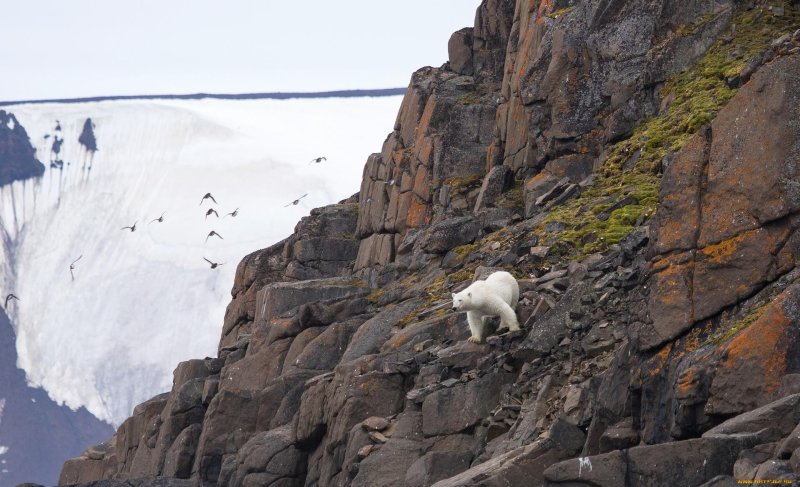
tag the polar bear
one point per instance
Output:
(496, 296)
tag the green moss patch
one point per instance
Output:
(723, 335)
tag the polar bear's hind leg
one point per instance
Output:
(508, 318)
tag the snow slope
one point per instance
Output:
(141, 302)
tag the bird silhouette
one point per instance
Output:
(159, 219)
(233, 213)
(318, 160)
(11, 296)
(213, 233)
(207, 196)
(389, 182)
(72, 267)
(210, 211)
(295, 202)
(132, 227)
(214, 265)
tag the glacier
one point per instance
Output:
(142, 301)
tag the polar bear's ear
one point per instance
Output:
(453, 295)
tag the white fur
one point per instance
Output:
(496, 296)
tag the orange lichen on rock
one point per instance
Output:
(545, 7)
(724, 252)
(762, 348)
(418, 214)
(659, 360)
(685, 385)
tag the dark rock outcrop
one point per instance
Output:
(17, 156)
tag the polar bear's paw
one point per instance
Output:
(474, 339)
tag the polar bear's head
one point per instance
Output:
(462, 301)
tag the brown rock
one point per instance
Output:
(455, 409)
(691, 462)
(459, 49)
(524, 465)
(375, 423)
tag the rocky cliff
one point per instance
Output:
(635, 164)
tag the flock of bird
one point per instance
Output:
(160, 219)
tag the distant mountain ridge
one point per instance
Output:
(222, 96)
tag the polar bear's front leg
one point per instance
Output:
(476, 326)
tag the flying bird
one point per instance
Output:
(207, 196)
(159, 219)
(233, 213)
(213, 233)
(214, 265)
(210, 211)
(72, 267)
(132, 227)
(11, 296)
(295, 202)
(318, 160)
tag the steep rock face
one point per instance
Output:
(728, 217)
(17, 156)
(725, 240)
(323, 245)
(580, 76)
(439, 142)
(339, 366)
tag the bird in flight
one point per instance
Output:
(233, 213)
(295, 202)
(72, 267)
(214, 265)
(318, 160)
(210, 211)
(11, 296)
(132, 228)
(213, 233)
(207, 196)
(159, 219)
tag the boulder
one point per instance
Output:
(450, 233)
(455, 409)
(690, 462)
(459, 50)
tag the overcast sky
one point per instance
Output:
(77, 48)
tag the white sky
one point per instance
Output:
(77, 48)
